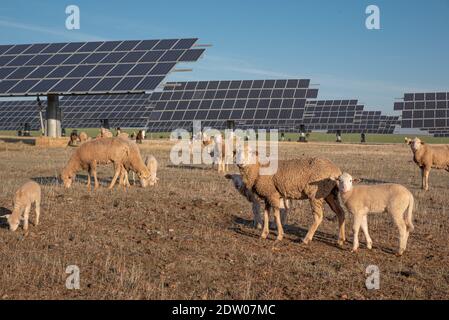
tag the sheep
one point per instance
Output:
(92, 153)
(151, 163)
(251, 197)
(104, 133)
(123, 135)
(389, 197)
(83, 137)
(304, 178)
(428, 157)
(25, 196)
(133, 161)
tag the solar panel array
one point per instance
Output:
(122, 110)
(347, 116)
(128, 111)
(426, 111)
(14, 114)
(91, 67)
(216, 102)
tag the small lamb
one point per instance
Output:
(25, 196)
(363, 199)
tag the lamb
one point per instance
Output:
(93, 153)
(392, 198)
(83, 137)
(151, 163)
(428, 157)
(25, 196)
(133, 161)
(306, 178)
(251, 197)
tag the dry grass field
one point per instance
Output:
(190, 237)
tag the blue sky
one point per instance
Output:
(324, 40)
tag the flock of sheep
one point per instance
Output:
(315, 179)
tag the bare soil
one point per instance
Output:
(191, 236)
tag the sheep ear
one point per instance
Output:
(228, 176)
(407, 140)
(356, 180)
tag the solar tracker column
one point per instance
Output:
(53, 117)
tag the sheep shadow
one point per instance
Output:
(3, 222)
(188, 167)
(52, 181)
(372, 181)
(289, 229)
(47, 181)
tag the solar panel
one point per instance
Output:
(216, 102)
(91, 67)
(425, 111)
(15, 114)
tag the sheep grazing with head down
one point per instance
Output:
(134, 162)
(95, 152)
(428, 157)
(363, 199)
(151, 163)
(306, 178)
(252, 198)
(25, 196)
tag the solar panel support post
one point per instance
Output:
(53, 117)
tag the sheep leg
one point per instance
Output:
(400, 223)
(358, 218)
(37, 205)
(334, 204)
(317, 209)
(284, 210)
(117, 168)
(93, 168)
(88, 179)
(266, 223)
(426, 172)
(369, 242)
(26, 217)
(257, 215)
(277, 216)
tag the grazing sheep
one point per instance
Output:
(25, 196)
(251, 197)
(306, 178)
(93, 153)
(133, 161)
(428, 157)
(151, 163)
(392, 198)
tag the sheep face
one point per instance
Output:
(67, 180)
(12, 222)
(145, 179)
(236, 179)
(345, 182)
(245, 157)
(416, 144)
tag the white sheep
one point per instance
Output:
(25, 196)
(151, 163)
(428, 157)
(363, 199)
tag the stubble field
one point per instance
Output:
(191, 236)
